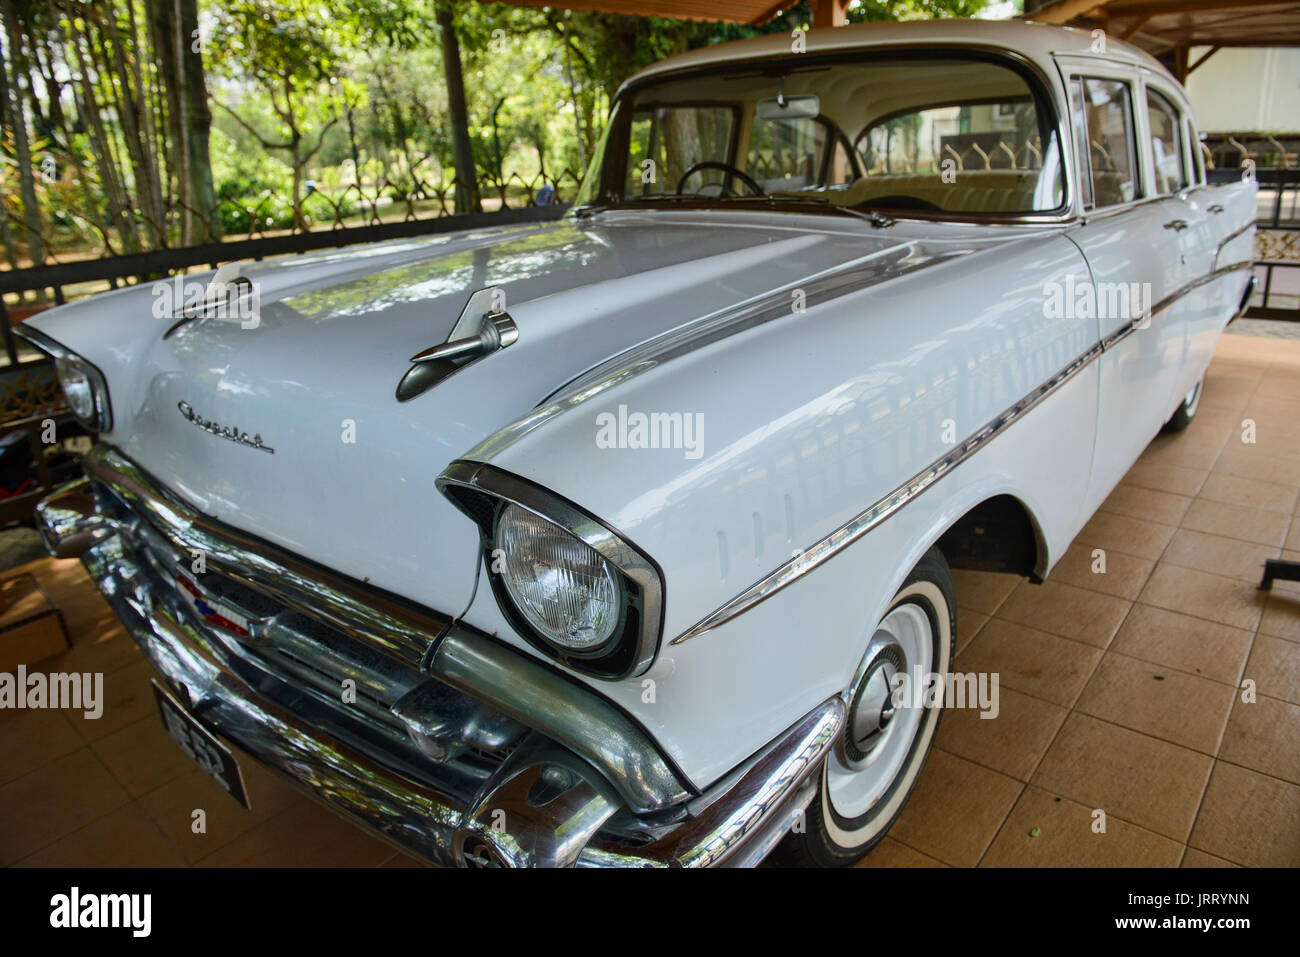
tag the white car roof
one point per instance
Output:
(1035, 41)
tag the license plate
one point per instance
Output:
(201, 745)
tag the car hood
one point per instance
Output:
(350, 480)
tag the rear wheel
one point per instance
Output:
(867, 779)
(1186, 411)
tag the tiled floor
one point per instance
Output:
(1121, 699)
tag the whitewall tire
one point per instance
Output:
(866, 781)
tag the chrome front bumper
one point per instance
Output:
(553, 801)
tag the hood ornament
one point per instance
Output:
(484, 327)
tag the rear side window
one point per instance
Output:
(1168, 163)
(1108, 107)
(674, 139)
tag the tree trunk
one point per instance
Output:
(22, 149)
(467, 198)
(203, 223)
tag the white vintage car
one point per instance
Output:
(609, 541)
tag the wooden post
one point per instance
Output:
(830, 13)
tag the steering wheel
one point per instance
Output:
(726, 168)
(899, 201)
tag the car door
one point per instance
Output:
(1176, 181)
(1133, 241)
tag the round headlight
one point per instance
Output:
(557, 582)
(78, 389)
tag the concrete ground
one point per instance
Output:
(1121, 695)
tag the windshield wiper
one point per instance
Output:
(873, 216)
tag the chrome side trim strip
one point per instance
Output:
(865, 521)
(826, 286)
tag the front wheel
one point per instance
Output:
(867, 779)
(1186, 410)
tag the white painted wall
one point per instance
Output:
(1249, 90)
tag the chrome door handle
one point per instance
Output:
(1216, 208)
(1177, 225)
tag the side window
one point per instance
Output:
(1166, 145)
(788, 154)
(675, 138)
(1111, 154)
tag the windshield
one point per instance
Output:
(954, 135)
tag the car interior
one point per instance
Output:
(953, 135)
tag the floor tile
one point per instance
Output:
(128, 697)
(123, 838)
(1124, 533)
(1248, 492)
(1249, 461)
(1194, 645)
(1199, 859)
(1249, 819)
(172, 807)
(1066, 610)
(30, 739)
(1167, 478)
(1148, 504)
(982, 591)
(1274, 666)
(142, 756)
(956, 809)
(1110, 572)
(53, 801)
(969, 623)
(1235, 521)
(1141, 779)
(1046, 830)
(1218, 555)
(303, 835)
(1170, 705)
(1228, 601)
(1264, 736)
(1010, 739)
(892, 853)
(1281, 617)
(1035, 662)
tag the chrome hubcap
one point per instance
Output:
(879, 735)
(872, 711)
(1193, 399)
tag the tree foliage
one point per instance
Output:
(136, 124)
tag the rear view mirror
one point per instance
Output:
(803, 107)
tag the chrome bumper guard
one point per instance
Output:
(483, 757)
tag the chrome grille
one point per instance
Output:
(307, 654)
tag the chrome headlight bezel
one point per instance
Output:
(482, 492)
(101, 417)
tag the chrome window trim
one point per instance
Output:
(871, 517)
(606, 541)
(1067, 212)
